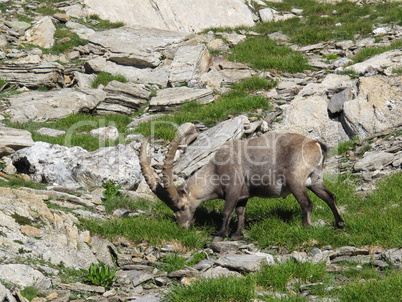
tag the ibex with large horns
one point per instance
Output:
(272, 165)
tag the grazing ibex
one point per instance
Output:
(272, 165)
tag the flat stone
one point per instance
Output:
(12, 139)
(50, 132)
(242, 263)
(179, 95)
(374, 161)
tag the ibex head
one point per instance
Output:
(179, 200)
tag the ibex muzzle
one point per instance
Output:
(272, 165)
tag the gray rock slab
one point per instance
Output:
(171, 97)
(30, 71)
(158, 76)
(219, 272)
(75, 167)
(242, 263)
(40, 106)
(12, 139)
(188, 16)
(377, 106)
(24, 276)
(374, 161)
(41, 33)
(50, 132)
(189, 63)
(134, 47)
(207, 143)
(386, 60)
(81, 30)
(123, 98)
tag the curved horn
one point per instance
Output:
(167, 170)
(145, 164)
(150, 178)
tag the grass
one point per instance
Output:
(367, 52)
(77, 127)
(237, 101)
(270, 56)
(104, 78)
(231, 289)
(324, 22)
(100, 24)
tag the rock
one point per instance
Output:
(41, 34)
(123, 98)
(219, 272)
(189, 63)
(378, 106)
(373, 161)
(105, 133)
(169, 98)
(24, 276)
(50, 105)
(12, 140)
(385, 61)
(151, 76)
(394, 256)
(140, 48)
(336, 102)
(30, 71)
(174, 15)
(60, 240)
(50, 132)
(203, 148)
(75, 167)
(242, 263)
(81, 30)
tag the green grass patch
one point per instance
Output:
(237, 101)
(379, 290)
(215, 290)
(104, 78)
(323, 22)
(263, 54)
(100, 24)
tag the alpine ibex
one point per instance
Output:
(272, 165)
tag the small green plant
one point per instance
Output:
(112, 190)
(30, 292)
(104, 78)
(101, 274)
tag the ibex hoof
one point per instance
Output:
(340, 224)
(236, 237)
(218, 238)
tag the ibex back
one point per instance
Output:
(272, 165)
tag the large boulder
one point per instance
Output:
(141, 48)
(41, 34)
(31, 71)
(176, 15)
(42, 106)
(76, 167)
(308, 112)
(378, 106)
(28, 224)
(12, 140)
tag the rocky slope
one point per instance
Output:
(321, 104)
